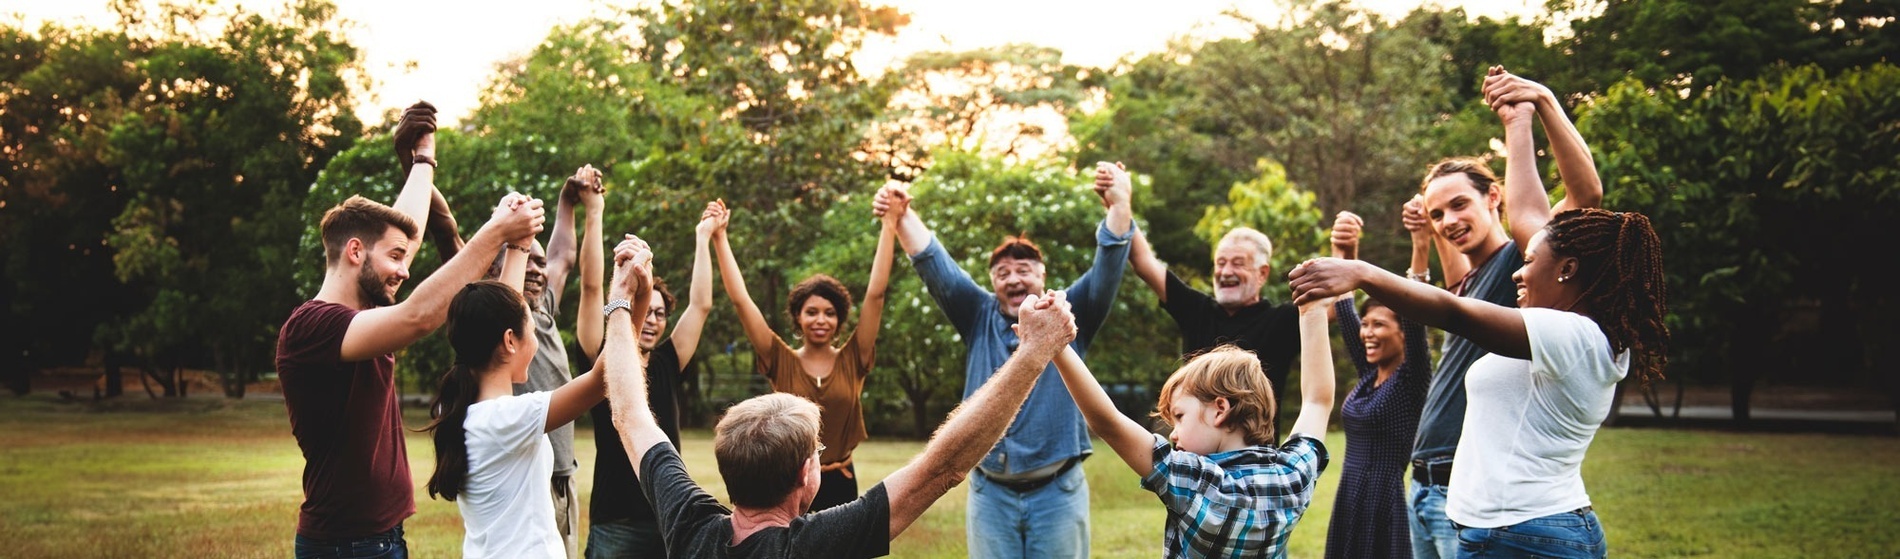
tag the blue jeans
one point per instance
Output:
(1433, 534)
(1565, 535)
(625, 539)
(387, 545)
(1049, 521)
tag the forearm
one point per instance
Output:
(1316, 373)
(870, 318)
(428, 304)
(514, 265)
(751, 319)
(627, 387)
(561, 253)
(912, 233)
(975, 426)
(1576, 168)
(589, 325)
(1525, 203)
(1131, 442)
(1148, 267)
(413, 201)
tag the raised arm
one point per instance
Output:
(561, 244)
(871, 317)
(1575, 166)
(712, 222)
(588, 321)
(1093, 294)
(384, 330)
(1497, 329)
(1046, 326)
(415, 133)
(442, 227)
(620, 359)
(892, 202)
(1316, 371)
(757, 330)
(1148, 267)
(1133, 443)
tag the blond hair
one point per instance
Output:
(762, 444)
(1226, 372)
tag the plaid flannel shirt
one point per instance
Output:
(1242, 503)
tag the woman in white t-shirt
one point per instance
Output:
(492, 455)
(1591, 302)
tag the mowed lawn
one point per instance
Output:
(216, 478)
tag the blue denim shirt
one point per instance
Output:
(1049, 428)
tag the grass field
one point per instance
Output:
(216, 478)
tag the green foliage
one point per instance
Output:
(991, 100)
(1739, 179)
(157, 148)
(1278, 208)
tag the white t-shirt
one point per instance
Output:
(506, 503)
(1528, 423)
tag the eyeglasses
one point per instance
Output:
(656, 313)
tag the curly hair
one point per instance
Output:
(1621, 256)
(823, 286)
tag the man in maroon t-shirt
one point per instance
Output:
(336, 353)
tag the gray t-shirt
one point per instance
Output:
(1443, 419)
(547, 372)
(696, 525)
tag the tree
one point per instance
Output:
(180, 136)
(1738, 176)
(996, 100)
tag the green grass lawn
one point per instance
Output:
(214, 478)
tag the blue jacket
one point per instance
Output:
(1049, 428)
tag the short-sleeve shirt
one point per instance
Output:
(548, 371)
(839, 397)
(1443, 419)
(504, 501)
(344, 416)
(1529, 423)
(694, 524)
(617, 494)
(1271, 332)
(1240, 503)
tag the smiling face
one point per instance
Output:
(383, 271)
(817, 320)
(1545, 279)
(1379, 330)
(655, 324)
(1196, 424)
(1013, 280)
(1463, 215)
(1239, 273)
(536, 278)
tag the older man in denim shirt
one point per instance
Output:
(1027, 498)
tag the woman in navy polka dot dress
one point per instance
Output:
(1381, 417)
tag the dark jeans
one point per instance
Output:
(625, 539)
(387, 545)
(835, 488)
(1565, 535)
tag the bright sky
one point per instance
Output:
(450, 62)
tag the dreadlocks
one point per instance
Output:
(1621, 255)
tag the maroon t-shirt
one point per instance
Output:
(344, 415)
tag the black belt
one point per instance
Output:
(1027, 485)
(1431, 474)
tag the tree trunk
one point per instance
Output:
(919, 412)
(115, 375)
(1747, 356)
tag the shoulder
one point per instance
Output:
(1563, 340)
(663, 357)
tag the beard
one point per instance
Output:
(373, 289)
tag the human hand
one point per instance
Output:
(1112, 183)
(518, 217)
(633, 269)
(1346, 229)
(891, 202)
(1504, 88)
(1045, 322)
(415, 136)
(712, 220)
(1320, 279)
(586, 187)
(1413, 216)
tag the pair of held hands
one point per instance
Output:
(1348, 226)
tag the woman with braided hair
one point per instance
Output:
(1590, 309)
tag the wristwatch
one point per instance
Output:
(614, 305)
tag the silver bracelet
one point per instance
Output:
(1425, 276)
(614, 305)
